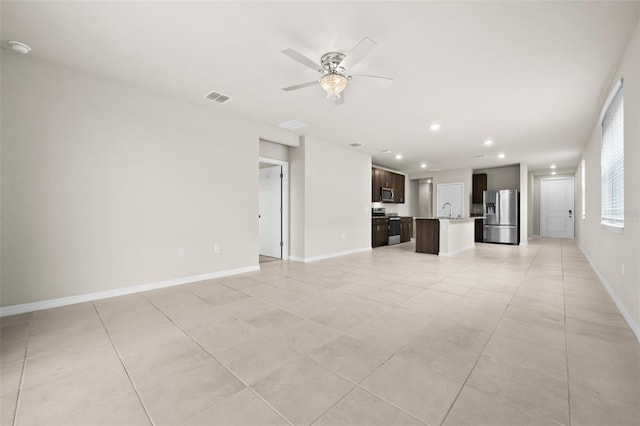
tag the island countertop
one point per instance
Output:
(450, 220)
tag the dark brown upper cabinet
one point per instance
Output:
(398, 188)
(479, 186)
(386, 179)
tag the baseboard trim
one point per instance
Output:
(88, 297)
(328, 256)
(460, 250)
(625, 314)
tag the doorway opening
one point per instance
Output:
(272, 210)
(425, 197)
(556, 207)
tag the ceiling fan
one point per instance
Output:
(333, 67)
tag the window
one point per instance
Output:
(583, 204)
(612, 161)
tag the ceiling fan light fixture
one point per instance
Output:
(333, 83)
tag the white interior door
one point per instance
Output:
(556, 207)
(449, 201)
(270, 211)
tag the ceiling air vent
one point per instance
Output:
(218, 97)
(355, 145)
(292, 125)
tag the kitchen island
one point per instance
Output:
(444, 236)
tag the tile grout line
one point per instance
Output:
(566, 345)
(24, 366)
(356, 384)
(223, 366)
(144, 407)
(453, 403)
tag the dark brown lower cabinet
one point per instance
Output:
(428, 236)
(479, 231)
(406, 229)
(379, 232)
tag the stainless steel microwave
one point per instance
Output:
(386, 194)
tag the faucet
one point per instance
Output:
(449, 204)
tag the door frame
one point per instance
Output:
(540, 215)
(284, 217)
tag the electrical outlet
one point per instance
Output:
(216, 249)
(344, 236)
(180, 252)
(623, 269)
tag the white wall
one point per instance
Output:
(273, 150)
(608, 251)
(530, 205)
(332, 192)
(523, 171)
(102, 182)
(297, 196)
(505, 177)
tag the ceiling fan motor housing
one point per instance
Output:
(331, 62)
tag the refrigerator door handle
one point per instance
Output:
(497, 208)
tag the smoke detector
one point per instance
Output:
(19, 47)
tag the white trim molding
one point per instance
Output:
(88, 297)
(460, 250)
(327, 256)
(632, 324)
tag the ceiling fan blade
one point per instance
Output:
(358, 53)
(340, 100)
(299, 57)
(372, 76)
(301, 86)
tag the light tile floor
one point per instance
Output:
(499, 335)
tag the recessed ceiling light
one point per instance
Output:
(386, 151)
(553, 173)
(398, 157)
(553, 166)
(423, 165)
(434, 127)
(500, 155)
(429, 181)
(488, 142)
(19, 47)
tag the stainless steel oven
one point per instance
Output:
(394, 230)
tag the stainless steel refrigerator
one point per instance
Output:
(501, 218)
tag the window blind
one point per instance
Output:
(583, 189)
(612, 162)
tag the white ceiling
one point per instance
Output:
(529, 75)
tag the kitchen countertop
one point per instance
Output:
(389, 217)
(453, 219)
